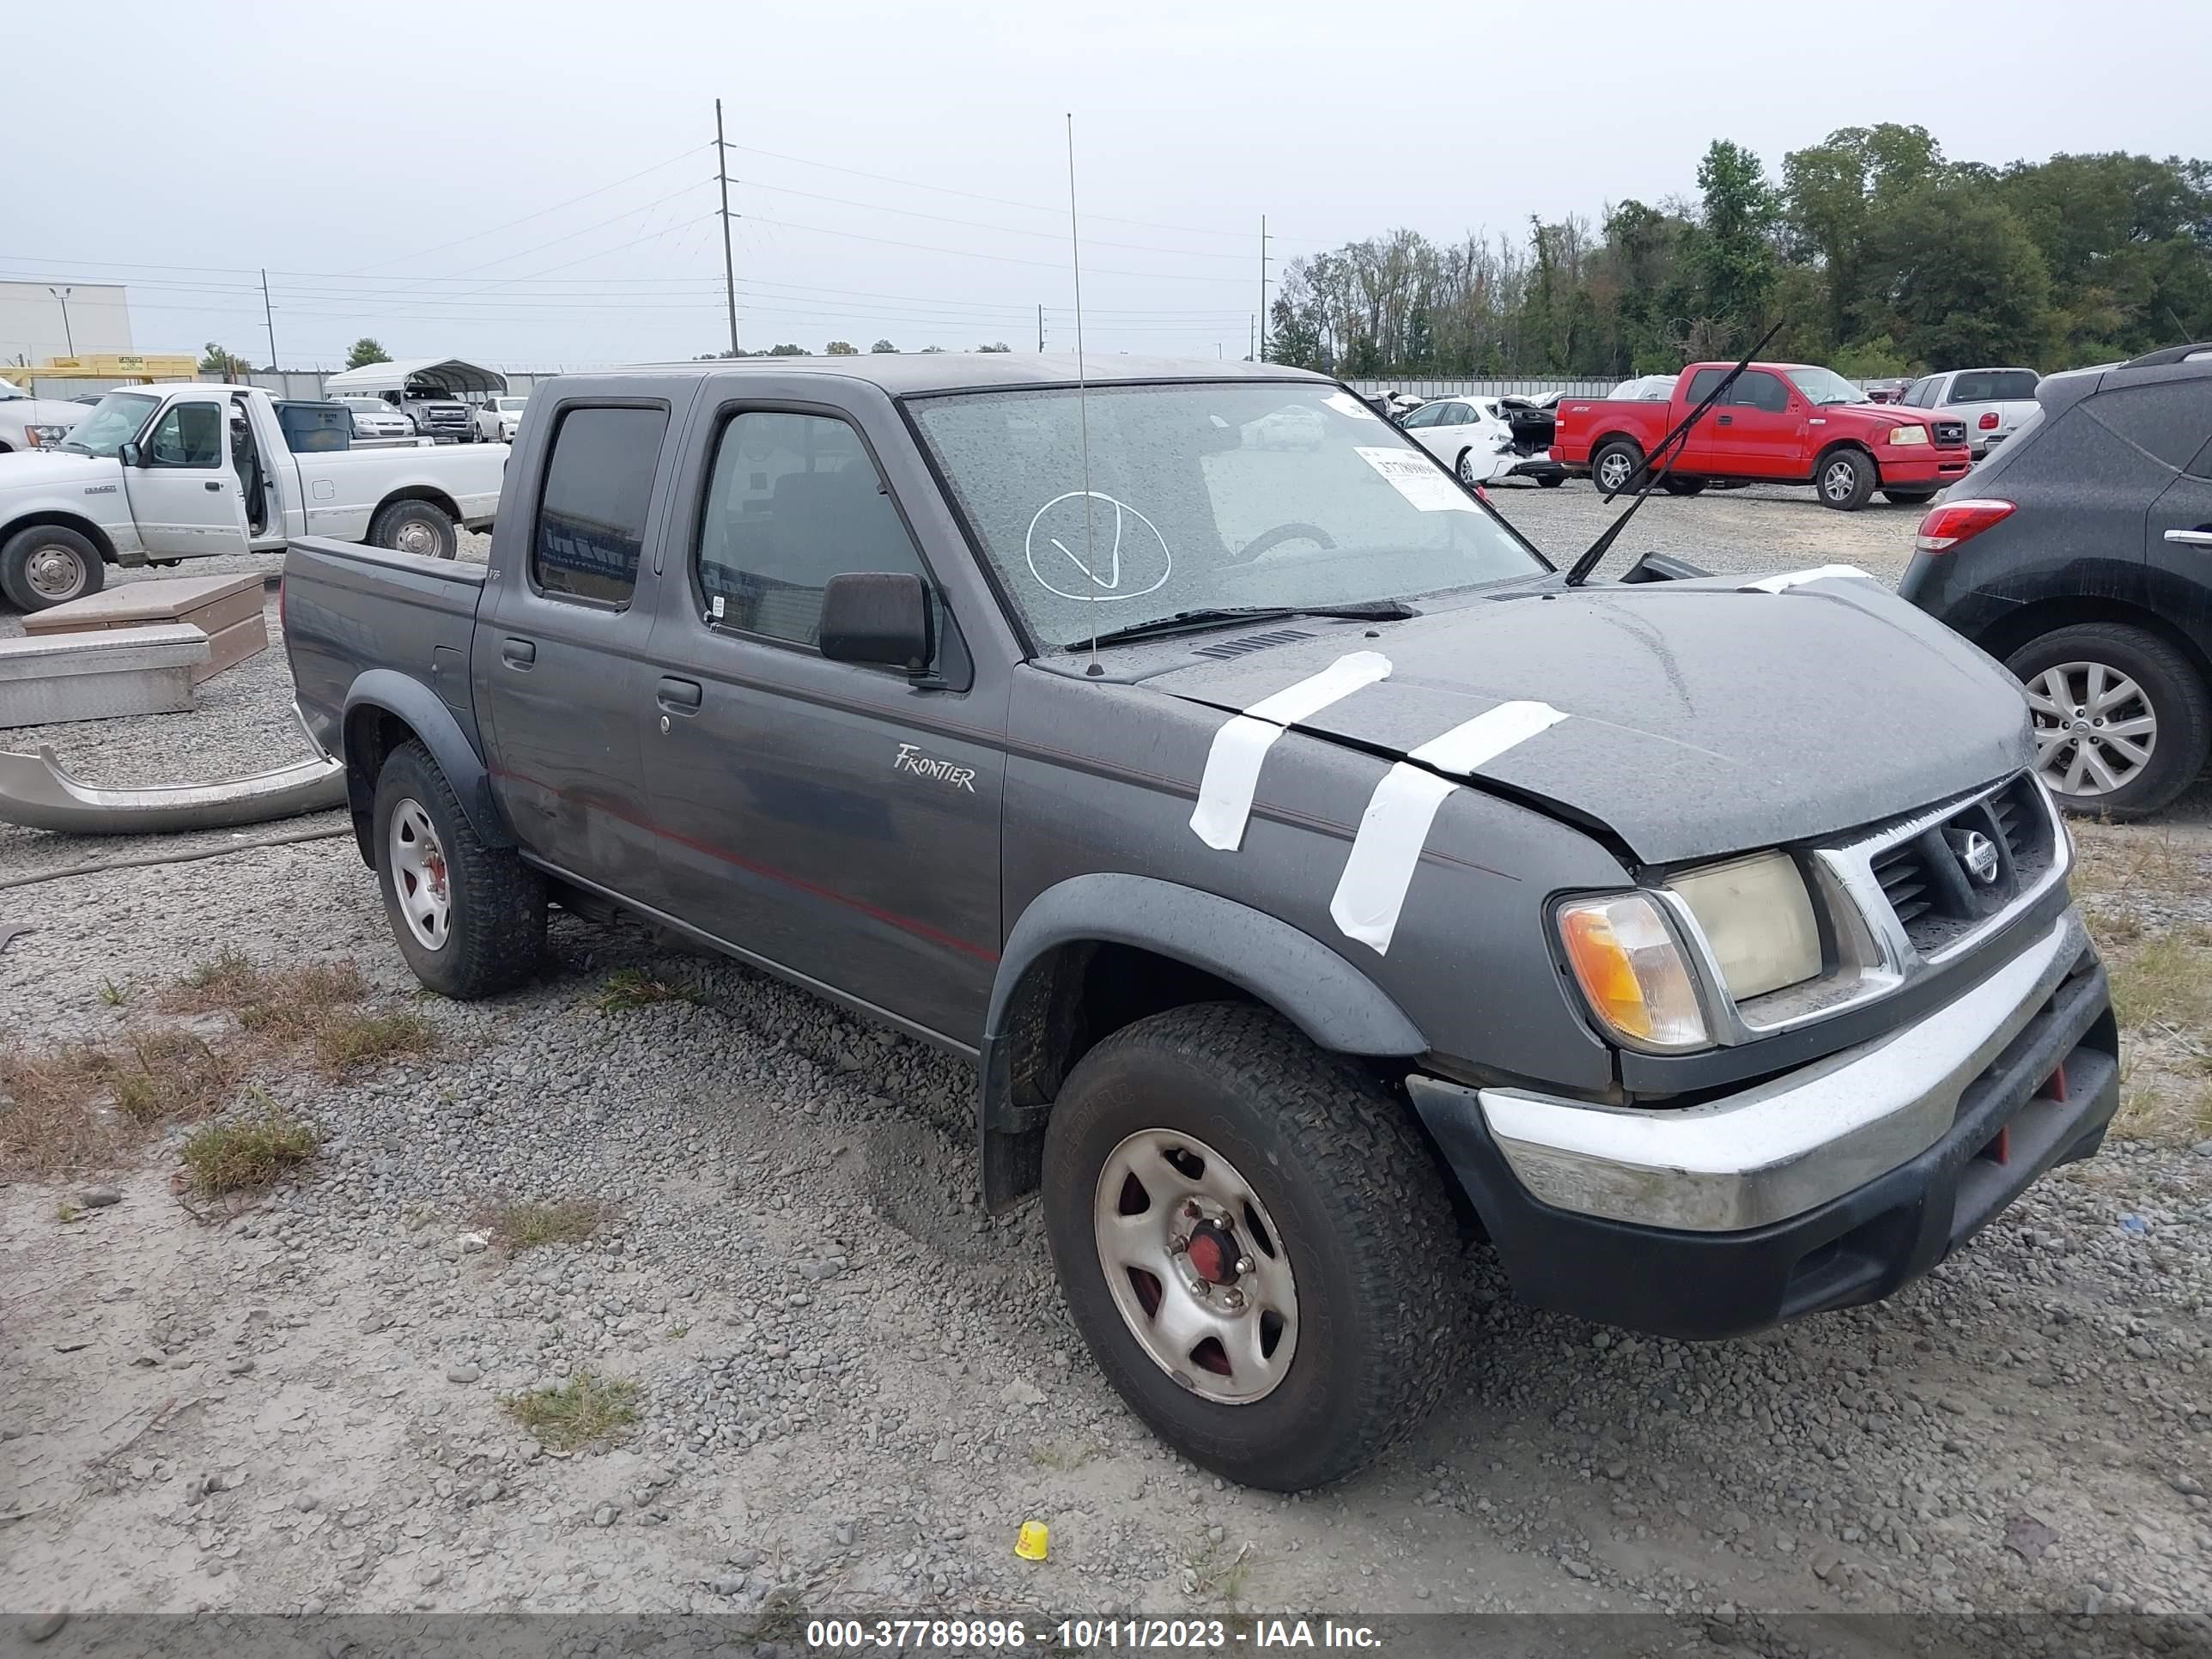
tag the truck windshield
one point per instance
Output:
(114, 421)
(1825, 385)
(1214, 496)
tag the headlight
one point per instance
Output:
(1908, 435)
(43, 437)
(1625, 959)
(1758, 919)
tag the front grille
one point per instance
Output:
(1930, 877)
(1222, 650)
(1950, 432)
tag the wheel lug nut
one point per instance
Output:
(1244, 1264)
(1179, 1243)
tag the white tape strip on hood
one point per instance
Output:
(1232, 765)
(1395, 826)
(1799, 578)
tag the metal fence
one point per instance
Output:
(305, 384)
(1525, 386)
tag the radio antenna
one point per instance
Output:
(1082, 403)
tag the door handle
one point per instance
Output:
(1726, 420)
(518, 653)
(682, 696)
(215, 484)
(2190, 537)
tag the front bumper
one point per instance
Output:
(1826, 1188)
(1917, 467)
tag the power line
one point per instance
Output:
(998, 258)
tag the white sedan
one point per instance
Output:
(1468, 434)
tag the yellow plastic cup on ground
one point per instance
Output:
(1035, 1541)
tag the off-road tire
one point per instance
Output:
(1908, 497)
(1864, 478)
(1598, 468)
(497, 935)
(1363, 1218)
(2170, 685)
(1674, 486)
(15, 566)
(394, 517)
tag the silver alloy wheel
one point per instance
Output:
(419, 875)
(1613, 471)
(1196, 1266)
(418, 537)
(2094, 729)
(55, 572)
(1837, 480)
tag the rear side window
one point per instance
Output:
(1703, 382)
(1922, 392)
(2165, 420)
(1992, 385)
(794, 500)
(591, 516)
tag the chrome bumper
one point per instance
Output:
(1789, 1144)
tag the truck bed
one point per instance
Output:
(348, 609)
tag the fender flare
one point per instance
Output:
(1320, 992)
(409, 700)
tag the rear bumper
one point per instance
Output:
(1795, 1196)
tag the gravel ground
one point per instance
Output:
(853, 1386)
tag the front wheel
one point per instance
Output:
(470, 919)
(1674, 486)
(1846, 480)
(419, 527)
(2123, 720)
(1255, 1244)
(49, 565)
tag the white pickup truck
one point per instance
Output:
(157, 474)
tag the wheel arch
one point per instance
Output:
(2017, 626)
(1098, 952)
(384, 709)
(1829, 450)
(58, 519)
(429, 495)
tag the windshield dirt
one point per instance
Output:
(113, 422)
(1204, 496)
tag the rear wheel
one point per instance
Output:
(418, 527)
(1551, 480)
(49, 565)
(1845, 480)
(1908, 497)
(1614, 464)
(1254, 1241)
(470, 919)
(1674, 486)
(2123, 720)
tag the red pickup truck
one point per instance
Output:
(1779, 423)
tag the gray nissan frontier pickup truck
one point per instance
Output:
(1318, 878)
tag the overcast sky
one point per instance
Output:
(420, 173)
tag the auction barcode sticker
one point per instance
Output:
(1419, 479)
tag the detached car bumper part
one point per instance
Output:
(36, 792)
(1828, 1187)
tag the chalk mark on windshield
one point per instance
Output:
(1102, 590)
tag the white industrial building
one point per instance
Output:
(41, 321)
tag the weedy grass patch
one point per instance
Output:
(520, 1227)
(585, 1410)
(226, 1160)
(633, 988)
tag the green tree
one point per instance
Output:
(883, 345)
(1832, 191)
(787, 351)
(1731, 247)
(224, 365)
(1954, 279)
(366, 351)
(841, 349)
(999, 346)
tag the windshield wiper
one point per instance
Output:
(1213, 616)
(1656, 466)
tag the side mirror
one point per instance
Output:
(879, 617)
(129, 455)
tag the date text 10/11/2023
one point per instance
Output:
(1085, 1635)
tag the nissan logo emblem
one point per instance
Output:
(1978, 856)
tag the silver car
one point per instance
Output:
(28, 422)
(1992, 402)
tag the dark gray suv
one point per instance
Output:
(2080, 554)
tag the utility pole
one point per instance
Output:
(1252, 338)
(1260, 325)
(1040, 325)
(729, 260)
(62, 295)
(269, 316)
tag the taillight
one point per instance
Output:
(1953, 522)
(1990, 421)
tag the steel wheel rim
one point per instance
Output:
(1840, 480)
(420, 877)
(2095, 729)
(417, 537)
(54, 572)
(1220, 1312)
(1613, 472)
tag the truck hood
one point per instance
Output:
(53, 468)
(1705, 719)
